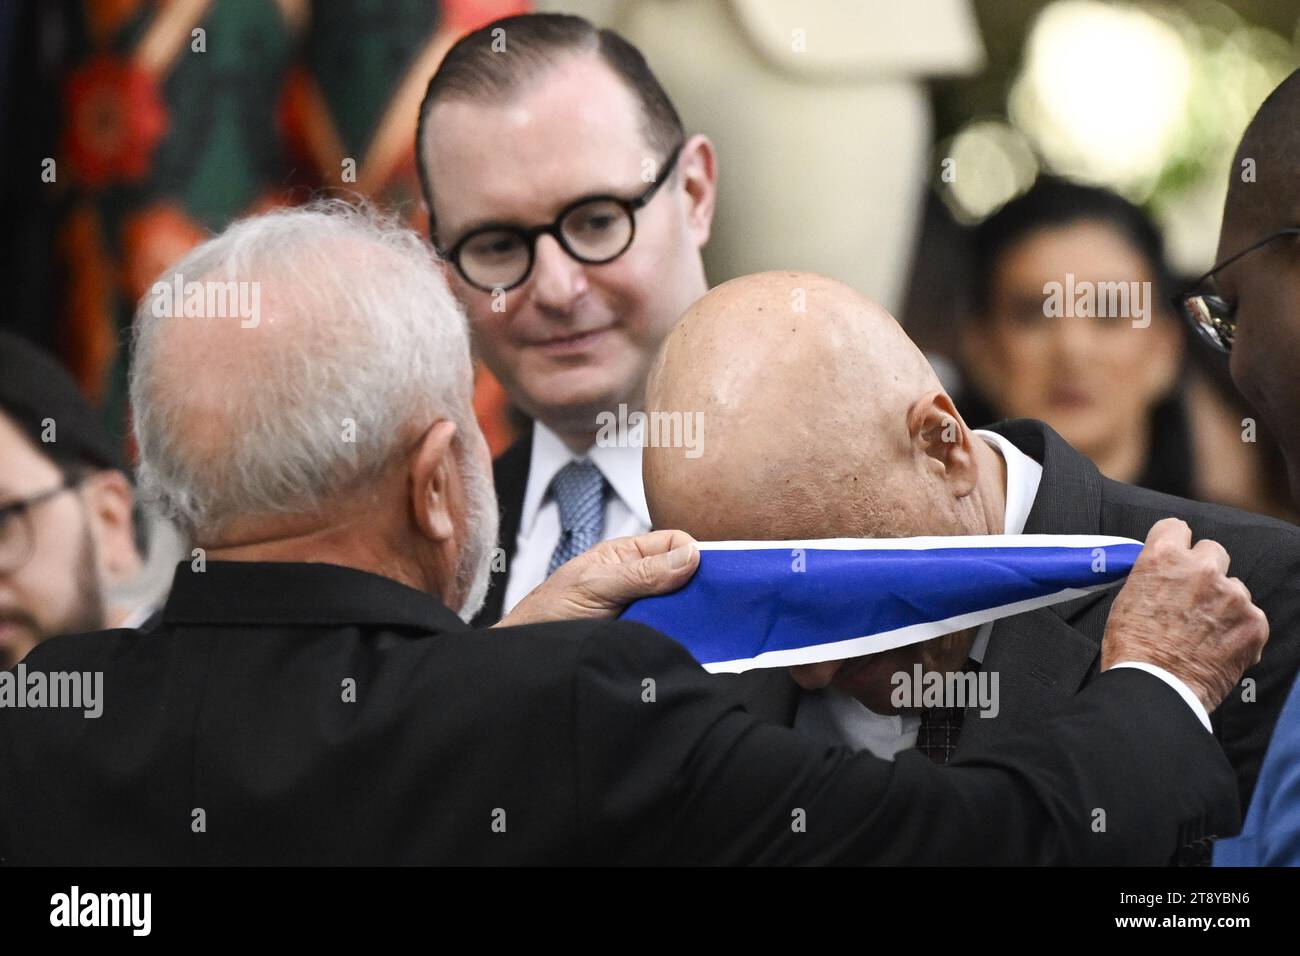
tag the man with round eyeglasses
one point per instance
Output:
(67, 534)
(569, 207)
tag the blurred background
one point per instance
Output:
(878, 142)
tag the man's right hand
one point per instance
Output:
(608, 577)
(1180, 611)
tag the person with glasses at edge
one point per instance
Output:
(68, 536)
(570, 208)
(1248, 307)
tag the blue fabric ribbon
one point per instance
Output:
(778, 603)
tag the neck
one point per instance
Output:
(115, 615)
(991, 487)
(579, 431)
(578, 442)
(349, 544)
(1124, 458)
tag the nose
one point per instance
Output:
(814, 676)
(1072, 339)
(559, 280)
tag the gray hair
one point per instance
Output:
(378, 342)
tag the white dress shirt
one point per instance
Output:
(539, 523)
(836, 717)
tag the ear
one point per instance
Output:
(431, 475)
(107, 496)
(698, 168)
(938, 433)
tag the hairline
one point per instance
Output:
(515, 89)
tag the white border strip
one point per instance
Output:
(930, 543)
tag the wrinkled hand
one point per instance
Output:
(603, 580)
(1179, 610)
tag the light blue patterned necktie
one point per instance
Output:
(579, 490)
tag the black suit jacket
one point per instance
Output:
(510, 476)
(1045, 656)
(593, 742)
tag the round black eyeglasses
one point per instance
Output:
(594, 230)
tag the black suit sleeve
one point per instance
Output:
(668, 770)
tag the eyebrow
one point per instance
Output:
(476, 224)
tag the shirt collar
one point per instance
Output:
(1023, 478)
(620, 465)
(138, 616)
(1024, 475)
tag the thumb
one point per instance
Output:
(658, 573)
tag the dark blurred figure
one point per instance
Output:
(1108, 383)
(1253, 293)
(1248, 306)
(67, 536)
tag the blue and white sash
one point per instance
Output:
(777, 603)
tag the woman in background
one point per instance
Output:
(1111, 381)
(1108, 387)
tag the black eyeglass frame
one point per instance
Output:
(21, 511)
(1228, 312)
(552, 229)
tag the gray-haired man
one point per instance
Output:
(310, 696)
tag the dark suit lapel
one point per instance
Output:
(1044, 657)
(1068, 502)
(1069, 496)
(1041, 661)
(510, 478)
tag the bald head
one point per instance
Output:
(1264, 188)
(821, 417)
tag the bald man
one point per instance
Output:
(823, 420)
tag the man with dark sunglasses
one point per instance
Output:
(67, 536)
(569, 207)
(1249, 307)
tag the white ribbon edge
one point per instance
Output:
(928, 543)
